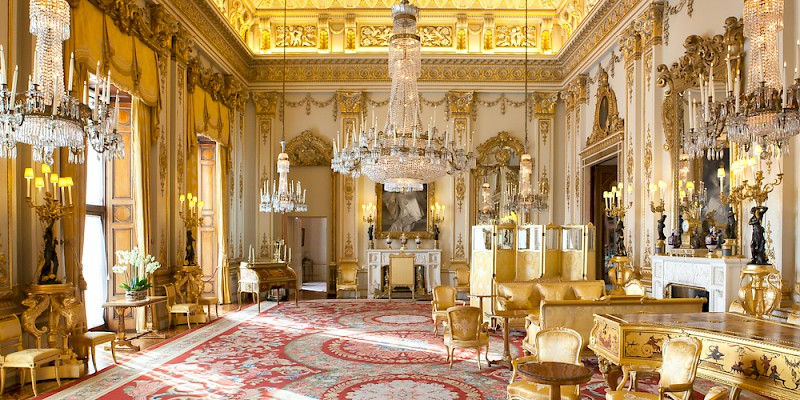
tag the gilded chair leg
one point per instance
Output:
(58, 367)
(113, 351)
(451, 357)
(479, 358)
(487, 356)
(22, 378)
(33, 381)
(188, 321)
(169, 320)
(94, 358)
(2, 380)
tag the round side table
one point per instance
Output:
(555, 374)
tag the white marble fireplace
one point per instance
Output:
(719, 276)
(430, 259)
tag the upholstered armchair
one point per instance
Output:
(11, 339)
(444, 297)
(552, 345)
(173, 307)
(679, 359)
(401, 273)
(634, 287)
(347, 279)
(466, 330)
(462, 280)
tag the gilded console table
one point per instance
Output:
(123, 342)
(744, 352)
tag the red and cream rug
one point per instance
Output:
(326, 349)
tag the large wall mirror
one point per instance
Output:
(497, 166)
(697, 86)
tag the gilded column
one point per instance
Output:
(461, 111)
(266, 105)
(350, 109)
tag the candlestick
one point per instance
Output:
(71, 69)
(2, 66)
(14, 87)
(29, 178)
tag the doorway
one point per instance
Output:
(603, 176)
(310, 245)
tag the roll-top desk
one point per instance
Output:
(261, 276)
(429, 259)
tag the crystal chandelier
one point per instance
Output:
(49, 117)
(284, 197)
(766, 115)
(525, 197)
(401, 157)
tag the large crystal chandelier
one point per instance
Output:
(48, 117)
(765, 115)
(284, 197)
(401, 157)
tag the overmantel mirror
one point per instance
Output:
(694, 120)
(496, 173)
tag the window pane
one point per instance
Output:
(94, 270)
(95, 178)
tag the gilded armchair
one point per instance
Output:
(553, 345)
(462, 280)
(27, 359)
(466, 330)
(444, 297)
(347, 280)
(401, 273)
(680, 357)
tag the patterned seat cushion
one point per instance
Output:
(29, 356)
(184, 308)
(94, 338)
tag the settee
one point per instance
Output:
(519, 299)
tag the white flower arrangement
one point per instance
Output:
(139, 265)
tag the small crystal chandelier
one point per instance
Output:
(525, 198)
(401, 157)
(49, 117)
(284, 197)
(766, 115)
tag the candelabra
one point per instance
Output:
(437, 217)
(190, 214)
(622, 270)
(658, 208)
(692, 200)
(50, 208)
(369, 211)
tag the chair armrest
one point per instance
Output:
(503, 302)
(462, 302)
(635, 368)
(520, 360)
(677, 387)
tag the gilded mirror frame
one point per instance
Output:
(502, 148)
(701, 54)
(606, 115)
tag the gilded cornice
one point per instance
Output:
(212, 25)
(223, 88)
(349, 101)
(644, 32)
(576, 92)
(544, 104)
(266, 103)
(343, 69)
(602, 21)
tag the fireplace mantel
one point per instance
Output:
(719, 276)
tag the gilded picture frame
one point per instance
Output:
(408, 213)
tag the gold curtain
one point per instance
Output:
(143, 128)
(133, 64)
(223, 188)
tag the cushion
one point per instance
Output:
(588, 292)
(553, 291)
(529, 390)
(183, 308)
(482, 341)
(518, 296)
(29, 356)
(94, 337)
(626, 395)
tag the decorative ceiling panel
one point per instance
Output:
(446, 26)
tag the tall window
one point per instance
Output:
(109, 224)
(95, 267)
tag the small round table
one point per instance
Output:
(555, 374)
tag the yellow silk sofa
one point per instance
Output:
(579, 314)
(524, 297)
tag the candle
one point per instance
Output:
(116, 112)
(71, 69)
(38, 182)
(62, 183)
(2, 66)
(711, 83)
(736, 92)
(35, 67)
(785, 86)
(108, 88)
(14, 87)
(54, 181)
(729, 76)
(28, 177)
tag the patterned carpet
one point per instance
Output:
(328, 349)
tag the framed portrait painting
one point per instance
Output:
(400, 212)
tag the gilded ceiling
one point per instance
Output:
(364, 26)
